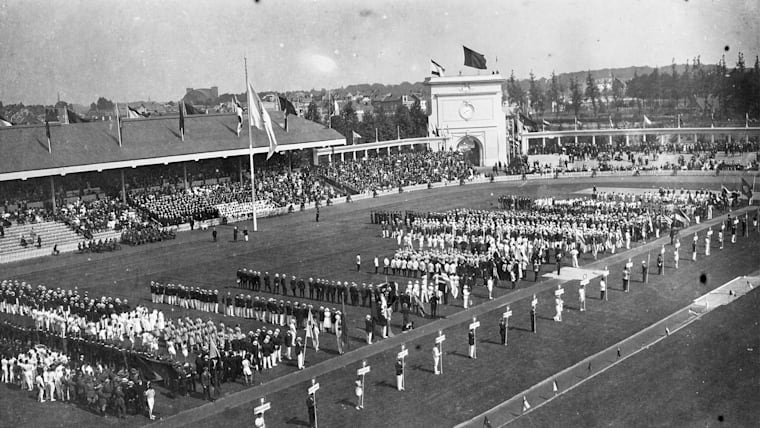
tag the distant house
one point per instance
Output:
(202, 96)
(390, 102)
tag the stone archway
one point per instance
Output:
(471, 148)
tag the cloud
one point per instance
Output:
(365, 13)
(321, 63)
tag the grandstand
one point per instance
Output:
(92, 152)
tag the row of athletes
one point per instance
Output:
(20, 297)
(197, 298)
(319, 289)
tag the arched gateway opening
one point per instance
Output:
(471, 148)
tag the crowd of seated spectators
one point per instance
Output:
(89, 217)
(174, 204)
(398, 170)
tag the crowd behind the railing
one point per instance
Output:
(398, 170)
(174, 204)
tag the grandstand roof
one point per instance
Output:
(94, 146)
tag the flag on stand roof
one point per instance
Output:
(336, 108)
(474, 59)
(182, 120)
(287, 106)
(47, 134)
(647, 121)
(118, 120)
(189, 109)
(75, 118)
(546, 122)
(436, 69)
(355, 135)
(612, 125)
(4, 123)
(259, 118)
(239, 113)
(133, 113)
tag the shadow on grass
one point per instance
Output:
(345, 402)
(296, 421)
(385, 384)
(420, 367)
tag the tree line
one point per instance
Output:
(706, 90)
(402, 122)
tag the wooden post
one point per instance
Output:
(507, 315)
(261, 408)
(402, 356)
(439, 342)
(362, 372)
(474, 327)
(313, 391)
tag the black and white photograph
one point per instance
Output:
(399, 213)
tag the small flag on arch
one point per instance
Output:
(436, 69)
(4, 123)
(555, 389)
(474, 59)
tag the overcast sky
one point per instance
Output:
(136, 49)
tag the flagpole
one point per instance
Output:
(250, 148)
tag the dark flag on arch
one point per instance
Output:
(474, 59)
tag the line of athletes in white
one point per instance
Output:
(135, 325)
(43, 369)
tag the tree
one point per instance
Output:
(592, 91)
(674, 88)
(312, 112)
(104, 104)
(554, 91)
(576, 97)
(348, 119)
(419, 120)
(535, 93)
(618, 91)
(516, 93)
(402, 118)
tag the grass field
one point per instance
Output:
(704, 375)
(295, 244)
